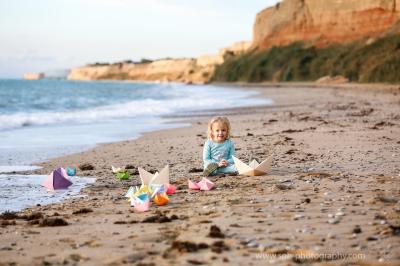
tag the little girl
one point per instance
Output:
(218, 149)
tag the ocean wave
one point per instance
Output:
(146, 107)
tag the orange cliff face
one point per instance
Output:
(323, 22)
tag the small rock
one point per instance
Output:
(252, 245)
(196, 262)
(86, 167)
(186, 246)
(306, 200)
(219, 246)
(357, 230)
(331, 235)
(53, 222)
(8, 215)
(195, 170)
(372, 238)
(339, 214)
(284, 186)
(157, 218)
(334, 221)
(82, 210)
(215, 232)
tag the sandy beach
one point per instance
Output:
(332, 196)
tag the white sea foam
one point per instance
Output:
(145, 107)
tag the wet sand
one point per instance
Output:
(332, 196)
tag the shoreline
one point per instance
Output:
(322, 186)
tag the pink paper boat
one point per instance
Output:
(205, 184)
(58, 179)
(142, 206)
(193, 185)
(171, 189)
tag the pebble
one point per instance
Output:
(331, 235)
(252, 245)
(298, 216)
(334, 221)
(372, 238)
(357, 230)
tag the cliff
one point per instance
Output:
(323, 22)
(33, 76)
(188, 70)
(317, 23)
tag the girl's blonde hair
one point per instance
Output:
(219, 119)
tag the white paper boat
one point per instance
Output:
(116, 169)
(159, 178)
(254, 168)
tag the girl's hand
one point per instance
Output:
(223, 163)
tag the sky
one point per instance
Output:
(52, 35)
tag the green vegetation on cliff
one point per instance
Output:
(375, 62)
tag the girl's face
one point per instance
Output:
(219, 132)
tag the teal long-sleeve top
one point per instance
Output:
(214, 152)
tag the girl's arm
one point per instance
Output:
(231, 152)
(207, 153)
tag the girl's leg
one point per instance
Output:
(230, 169)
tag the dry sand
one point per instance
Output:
(332, 196)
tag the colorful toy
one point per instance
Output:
(58, 179)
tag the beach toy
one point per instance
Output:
(161, 199)
(159, 178)
(130, 193)
(143, 197)
(71, 171)
(58, 179)
(154, 187)
(142, 206)
(254, 168)
(193, 185)
(171, 189)
(117, 169)
(204, 184)
(141, 203)
(122, 175)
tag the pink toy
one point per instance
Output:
(141, 206)
(204, 184)
(58, 179)
(171, 189)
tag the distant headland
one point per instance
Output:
(296, 40)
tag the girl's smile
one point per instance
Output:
(219, 132)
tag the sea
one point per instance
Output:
(42, 119)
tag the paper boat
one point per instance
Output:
(71, 171)
(159, 178)
(141, 206)
(58, 179)
(254, 168)
(193, 185)
(204, 184)
(141, 203)
(161, 199)
(122, 175)
(117, 169)
(171, 189)
(131, 192)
